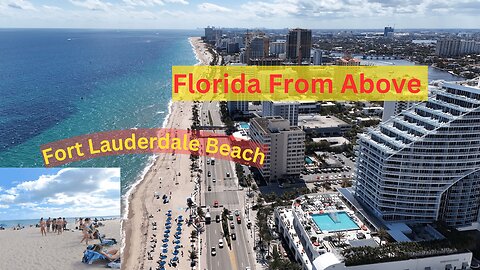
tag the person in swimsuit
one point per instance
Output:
(49, 223)
(43, 224)
(111, 255)
(87, 231)
(59, 225)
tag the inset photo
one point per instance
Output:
(60, 218)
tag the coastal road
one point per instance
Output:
(225, 190)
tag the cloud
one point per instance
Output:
(95, 5)
(4, 206)
(147, 3)
(209, 7)
(21, 4)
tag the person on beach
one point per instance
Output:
(87, 231)
(64, 224)
(111, 255)
(80, 225)
(54, 225)
(43, 224)
(49, 223)
(59, 226)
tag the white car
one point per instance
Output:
(220, 243)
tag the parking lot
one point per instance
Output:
(332, 174)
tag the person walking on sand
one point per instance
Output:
(59, 226)
(43, 224)
(87, 230)
(49, 223)
(54, 225)
(64, 224)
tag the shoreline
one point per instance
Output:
(140, 203)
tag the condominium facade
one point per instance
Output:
(392, 108)
(287, 110)
(299, 45)
(237, 107)
(284, 147)
(424, 164)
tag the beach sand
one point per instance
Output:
(28, 249)
(162, 178)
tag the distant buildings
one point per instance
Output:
(285, 147)
(347, 61)
(287, 110)
(277, 47)
(317, 57)
(212, 34)
(456, 47)
(388, 31)
(237, 107)
(298, 45)
(423, 165)
(391, 108)
(257, 47)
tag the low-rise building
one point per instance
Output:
(323, 126)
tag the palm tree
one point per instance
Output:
(192, 255)
(200, 212)
(383, 235)
(339, 236)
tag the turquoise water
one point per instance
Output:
(308, 160)
(326, 223)
(75, 82)
(244, 125)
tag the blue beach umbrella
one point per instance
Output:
(165, 245)
(166, 235)
(166, 231)
(175, 259)
(175, 252)
(176, 241)
(177, 246)
(179, 228)
(169, 214)
(169, 210)
(165, 251)
(162, 263)
(177, 236)
(163, 256)
(165, 240)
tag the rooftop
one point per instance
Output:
(320, 121)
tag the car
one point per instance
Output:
(230, 217)
(228, 174)
(249, 225)
(214, 180)
(232, 225)
(220, 243)
(217, 218)
(237, 212)
(234, 236)
(215, 204)
(213, 251)
(239, 220)
(209, 174)
(208, 161)
(247, 268)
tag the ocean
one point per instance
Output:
(33, 222)
(57, 84)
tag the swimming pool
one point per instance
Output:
(308, 160)
(334, 222)
(244, 125)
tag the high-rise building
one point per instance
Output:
(392, 108)
(284, 147)
(277, 47)
(257, 47)
(287, 110)
(455, 47)
(237, 107)
(317, 57)
(424, 165)
(298, 46)
(388, 31)
(212, 34)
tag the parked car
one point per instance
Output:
(209, 174)
(213, 251)
(232, 225)
(220, 243)
(217, 218)
(234, 236)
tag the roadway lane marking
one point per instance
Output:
(233, 259)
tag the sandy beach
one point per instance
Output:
(170, 176)
(28, 249)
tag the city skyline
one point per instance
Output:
(186, 14)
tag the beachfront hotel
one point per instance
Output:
(423, 165)
(323, 232)
(285, 147)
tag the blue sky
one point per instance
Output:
(31, 193)
(191, 14)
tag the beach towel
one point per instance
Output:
(90, 256)
(115, 265)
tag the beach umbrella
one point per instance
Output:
(177, 246)
(166, 235)
(166, 231)
(168, 222)
(165, 240)
(175, 252)
(177, 236)
(169, 214)
(175, 259)
(168, 227)
(165, 245)
(178, 233)
(163, 256)
(169, 210)
(164, 251)
(179, 228)
(176, 241)
(162, 263)
(180, 217)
